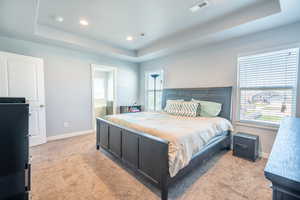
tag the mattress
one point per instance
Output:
(186, 135)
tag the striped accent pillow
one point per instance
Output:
(173, 106)
(189, 109)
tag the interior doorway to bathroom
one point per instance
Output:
(103, 91)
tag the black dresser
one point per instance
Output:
(14, 149)
(283, 167)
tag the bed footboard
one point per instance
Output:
(144, 154)
(147, 155)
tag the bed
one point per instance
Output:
(146, 142)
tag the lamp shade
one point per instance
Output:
(154, 75)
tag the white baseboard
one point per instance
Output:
(265, 155)
(68, 135)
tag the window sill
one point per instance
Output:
(254, 125)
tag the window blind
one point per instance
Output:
(267, 85)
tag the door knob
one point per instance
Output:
(42, 106)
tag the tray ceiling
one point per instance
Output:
(168, 25)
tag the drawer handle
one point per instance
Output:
(28, 177)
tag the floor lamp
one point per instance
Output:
(154, 76)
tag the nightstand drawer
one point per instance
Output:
(244, 151)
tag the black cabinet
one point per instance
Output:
(14, 139)
(246, 146)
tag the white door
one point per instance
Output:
(23, 76)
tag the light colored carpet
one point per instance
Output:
(72, 169)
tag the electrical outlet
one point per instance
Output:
(66, 124)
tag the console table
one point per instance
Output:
(283, 167)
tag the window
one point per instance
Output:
(99, 89)
(150, 81)
(267, 86)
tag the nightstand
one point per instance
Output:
(246, 146)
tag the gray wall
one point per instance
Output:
(68, 83)
(215, 66)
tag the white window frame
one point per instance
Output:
(161, 71)
(238, 90)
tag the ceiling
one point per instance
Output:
(112, 21)
(168, 25)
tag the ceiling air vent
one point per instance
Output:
(199, 5)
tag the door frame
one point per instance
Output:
(34, 141)
(106, 68)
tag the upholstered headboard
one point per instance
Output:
(217, 94)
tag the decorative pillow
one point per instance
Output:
(209, 108)
(189, 109)
(173, 106)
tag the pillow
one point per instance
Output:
(189, 109)
(173, 106)
(209, 108)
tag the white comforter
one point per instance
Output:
(186, 135)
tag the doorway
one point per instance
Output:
(23, 76)
(103, 91)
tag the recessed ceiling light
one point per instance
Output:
(129, 38)
(59, 18)
(83, 22)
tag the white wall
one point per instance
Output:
(215, 66)
(68, 83)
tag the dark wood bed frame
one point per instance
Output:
(147, 155)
